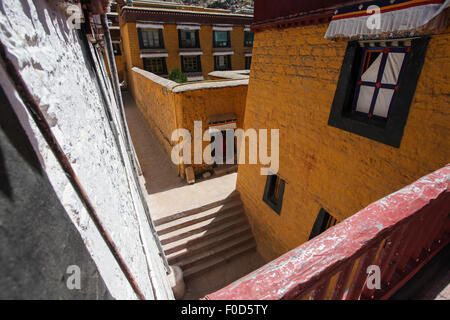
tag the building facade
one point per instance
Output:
(159, 37)
(359, 115)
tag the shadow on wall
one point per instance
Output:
(38, 241)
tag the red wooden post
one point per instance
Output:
(320, 292)
(360, 275)
(341, 283)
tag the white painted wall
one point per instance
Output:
(52, 61)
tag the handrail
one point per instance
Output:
(399, 233)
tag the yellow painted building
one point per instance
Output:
(168, 106)
(197, 41)
(335, 161)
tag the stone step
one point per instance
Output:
(198, 217)
(218, 250)
(206, 235)
(204, 244)
(233, 196)
(202, 226)
(217, 260)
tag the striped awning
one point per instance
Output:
(388, 18)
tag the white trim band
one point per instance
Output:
(149, 26)
(191, 53)
(222, 28)
(154, 55)
(185, 27)
(247, 29)
(196, 78)
(224, 53)
(248, 54)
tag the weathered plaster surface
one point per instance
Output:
(54, 63)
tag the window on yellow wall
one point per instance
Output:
(222, 62)
(376, 87)
(248, 38)
(155, 65)
(273, 192)
(323, 222)
(248, 62)
(116, 49)
(191, 64)
(221, 39)
(150, 38)
(188, 39)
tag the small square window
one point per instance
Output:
(221, 39)
(376, 87)
(222, 62)
(150, 38)
(273, 192)
(155, 65)
(191, 64)
(116, 49)
(248, 38)
(377, 80)
(188, 39)
(323, 221)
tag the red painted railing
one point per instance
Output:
(399, 234)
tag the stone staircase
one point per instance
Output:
(200, 239)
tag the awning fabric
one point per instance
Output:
(397, 18)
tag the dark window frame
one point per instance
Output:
(116, 49)
(268, 198)
(164, 65)
(228, 42)
(388, 131)
(160, 35)
(197, 39)
(248, 43)
(248, 62)
(323, 222)
(228, 57)
(199, 63)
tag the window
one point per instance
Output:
(273, 192)
(222, 63)
(116, 49)
(323, 222)
(376, 87)
(188, 39)
(248, 38)
(151, 38)
(155, 65)
(248, 62)
(221, 39)
(191, 64)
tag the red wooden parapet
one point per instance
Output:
(399, 233)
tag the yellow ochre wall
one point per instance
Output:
(292, 84)
(165, 110)
(131, 49)
(198, 105)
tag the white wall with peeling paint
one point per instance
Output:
(53, 61)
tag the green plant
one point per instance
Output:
(177, 76)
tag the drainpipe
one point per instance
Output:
(128, 143)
